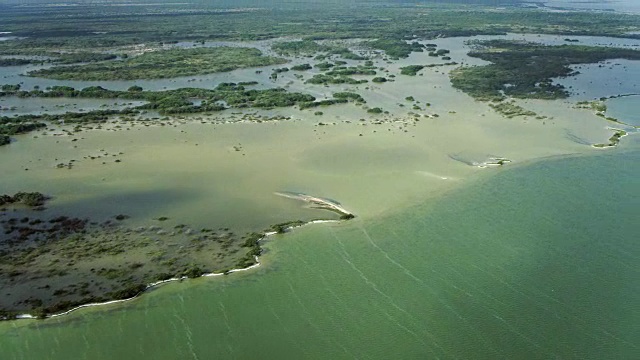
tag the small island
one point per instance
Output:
(614, 140)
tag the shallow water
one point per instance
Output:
(625, 109)
(535, 262)
(10, 106)
(504, 266)
(611, 77)
(627, 6)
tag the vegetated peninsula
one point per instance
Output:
(52, 262)
(525, 69)
(164, 64)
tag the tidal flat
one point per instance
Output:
(435, 225)
(152, 195)
(218, 178)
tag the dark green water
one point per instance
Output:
(536, 262)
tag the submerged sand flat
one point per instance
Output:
(195, 169)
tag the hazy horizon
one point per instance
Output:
(608, 5)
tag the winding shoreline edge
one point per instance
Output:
(156, 284)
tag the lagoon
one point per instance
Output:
(625, 109)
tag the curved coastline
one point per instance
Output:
(614, 140)
(156, 284)
(601, 112)
(318, 201)
(616, 119)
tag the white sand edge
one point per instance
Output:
(158, 283)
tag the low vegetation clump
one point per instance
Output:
(301, 67)
(80, 57)
(411, 70)
(310, 47)
(355, 70)
(375, 110)
(324, 65)
(22, 124)
(10, 87)
(193, 271)
(327, 102)
(395, 48)
(11, 128)
(440, 52)
(126, 293)
(525, 70)
(252, 243)
(322, 79)
(16, 62)
(17, 125)
(599, 106)
(511, 109)
(163, 64)
(26, 198)
(348, 54)
(302, 47)
(349, 96)
(283, 227)
(379, 80)
(275, 72)
(613, 140)
(59, 58)
(166, 102)
(179, 101)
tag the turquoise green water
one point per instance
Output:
(535, 262)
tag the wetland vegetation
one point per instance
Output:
(31, 199)
(15, 62)
(614, 140)
(323, 79)
(67, 261)
(525, 70)
(83, 27)
(412, 70)
(312, 48)
(511, 109)
(179, 101)
(51, 262)
(164, 64)
(233, 94)
(395, 48)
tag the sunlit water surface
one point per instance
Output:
(536, 262)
